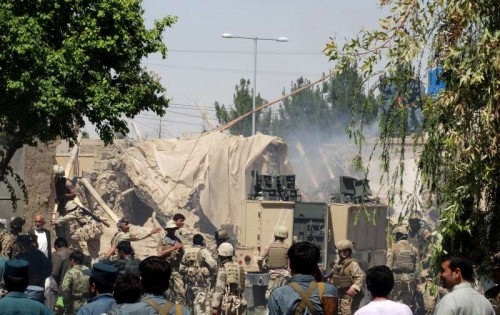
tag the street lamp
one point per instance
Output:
(255, 39)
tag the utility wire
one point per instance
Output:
(244, 52)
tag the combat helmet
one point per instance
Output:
(400, 229)
(16, 222)
(225, 250)
(345, 244)
(221, 235)
(281, 231)
(59, 170)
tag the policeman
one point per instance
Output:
(274, 259)
(349, 278)
(403, 259)
(230, 285)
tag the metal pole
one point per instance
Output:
(254, 83)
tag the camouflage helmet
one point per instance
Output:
(16, 222)
(59, 170)
(495, 261)
(225, 250)
(221, 235)
(345, 244)
(281, 231)
(400, 229)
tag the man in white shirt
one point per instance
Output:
(380, 281)
(43, 235)
(456, 275)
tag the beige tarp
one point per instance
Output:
(210, 173)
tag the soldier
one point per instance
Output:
(75, 286)
(197, 266)
(126, 262)
(220, 236)
(86, 227)
(349, 278)
(228, 294)
(403, 259)
(493, 294)
(124, 234)
(9, 247)
(274, 259)
(172, 250)
(420, 236)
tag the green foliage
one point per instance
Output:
(62, 61)
(243, 103)
(458, 158)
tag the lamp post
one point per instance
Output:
(255, 39)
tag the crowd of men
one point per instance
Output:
(68, 276)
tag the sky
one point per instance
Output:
(203, 67)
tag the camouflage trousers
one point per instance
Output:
(349, 305)
(430, 295)
(90, 247)
(275, 281)
(404, 291)
(198, 299)
(176, 292)
(232, 305)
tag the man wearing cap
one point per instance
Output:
(16, 278)
(75, 285)
(101, 282)
(493, 294)
(124, 234)
(172, 251)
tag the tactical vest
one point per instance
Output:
(403, 258)
(342, 274)
(277, 257)
(60, 186)
(192, 257)
(235, 279)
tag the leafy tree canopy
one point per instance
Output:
(62, 61)
(457, 153)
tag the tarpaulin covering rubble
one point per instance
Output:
(170, 174)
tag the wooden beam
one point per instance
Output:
(99, 200)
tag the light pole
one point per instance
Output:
(254, 91)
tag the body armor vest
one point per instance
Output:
(192, 257)
(277, 257)
(235, 279)
(342, 274)
(403, 258)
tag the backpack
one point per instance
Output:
(165, 309)
(306, 295)
(233, 303)
(193, 274)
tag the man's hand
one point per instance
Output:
(351, 292)
(213, 311)
(178, 246)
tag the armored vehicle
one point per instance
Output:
(323, 224)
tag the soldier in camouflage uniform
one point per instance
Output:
(8, 244)
(349, 278)
(420, 235)
(197, 266)
(228, 298)
(493, 294)
(85, 231)
(172, 250)
(75, 286)
(124, 234)
(126, 262)
(274, 259)
(403, 259)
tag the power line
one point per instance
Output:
(244, 52)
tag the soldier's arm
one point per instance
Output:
(209, 260)
(70, 192)
(358, 276)
(183, 266)
(67, 217)
(389, 258)
(163, 251)
(219, 288)
(67, 286)
(264, 252)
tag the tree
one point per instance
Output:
(243, 103)
(458, 158)
(62, 61)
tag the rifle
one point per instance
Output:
(93, 215)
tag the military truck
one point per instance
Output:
(324, 224)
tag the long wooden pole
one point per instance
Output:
(99, 200)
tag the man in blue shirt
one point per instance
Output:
(303, 259)
(16, 279)
(101, 282)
